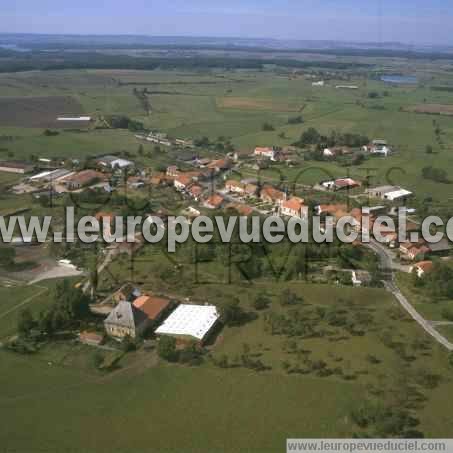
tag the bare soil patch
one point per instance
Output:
(245, 103)
(432, 109)
(39, 112)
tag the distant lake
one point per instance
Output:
(399, 79)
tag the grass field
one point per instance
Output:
(175, 408)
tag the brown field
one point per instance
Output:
(39, 112)
(433, 109)
(244, 103)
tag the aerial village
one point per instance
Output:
(217, 183)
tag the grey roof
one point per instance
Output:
(126, 315)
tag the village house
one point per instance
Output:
(333, 210)
(336, 151)
(267, 152)
(422, 268)
(251, 190)
(378, 147)
(272, 195)
(14, 166)
(235, 187)
(182, 182)
(220, 165)
(172, 171)
(294, 207)
(241, 209)
(190, 323)
(339, 184)
(195, 191)
(133, 318)
(414, 250)
(214, 202)
(158, 179)
(83, 179)
(125, 320)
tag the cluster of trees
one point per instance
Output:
(296, 120)
(435, 174)
(268, 127)
(439, 282)
(69, 308)
(60, 60)
(142, 97)
(192, 354)
(386, 421)
(124, 122)
(313, 137)
(7, 256)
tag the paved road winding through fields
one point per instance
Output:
(387, 265)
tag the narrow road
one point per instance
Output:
(387, 265)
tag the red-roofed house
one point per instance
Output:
(294, 207)
(182, 182)
(153, 307)
(235, 186)
(272, 195)
(422, 268)
(195, 192)
(268, 152)
(214, 202)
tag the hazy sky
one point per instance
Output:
(410, 21)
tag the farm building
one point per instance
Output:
(47, 176)
(340, 183)
(390, 193)
(114, 162)
(192, 322)
(74, 118)
(82, 179)
(14, 166)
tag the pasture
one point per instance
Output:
(207, 408)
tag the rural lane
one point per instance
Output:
(387, 265)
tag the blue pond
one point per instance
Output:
(399, 79)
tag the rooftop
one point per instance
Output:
(190, 320)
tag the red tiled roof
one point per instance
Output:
(184, 179)
(272, 193)
(151, 306)
(425, 266)
(214, 200)
(294, 204)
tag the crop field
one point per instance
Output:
(236, 105)
(435, 109)
(240, 103)
(37, 112)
